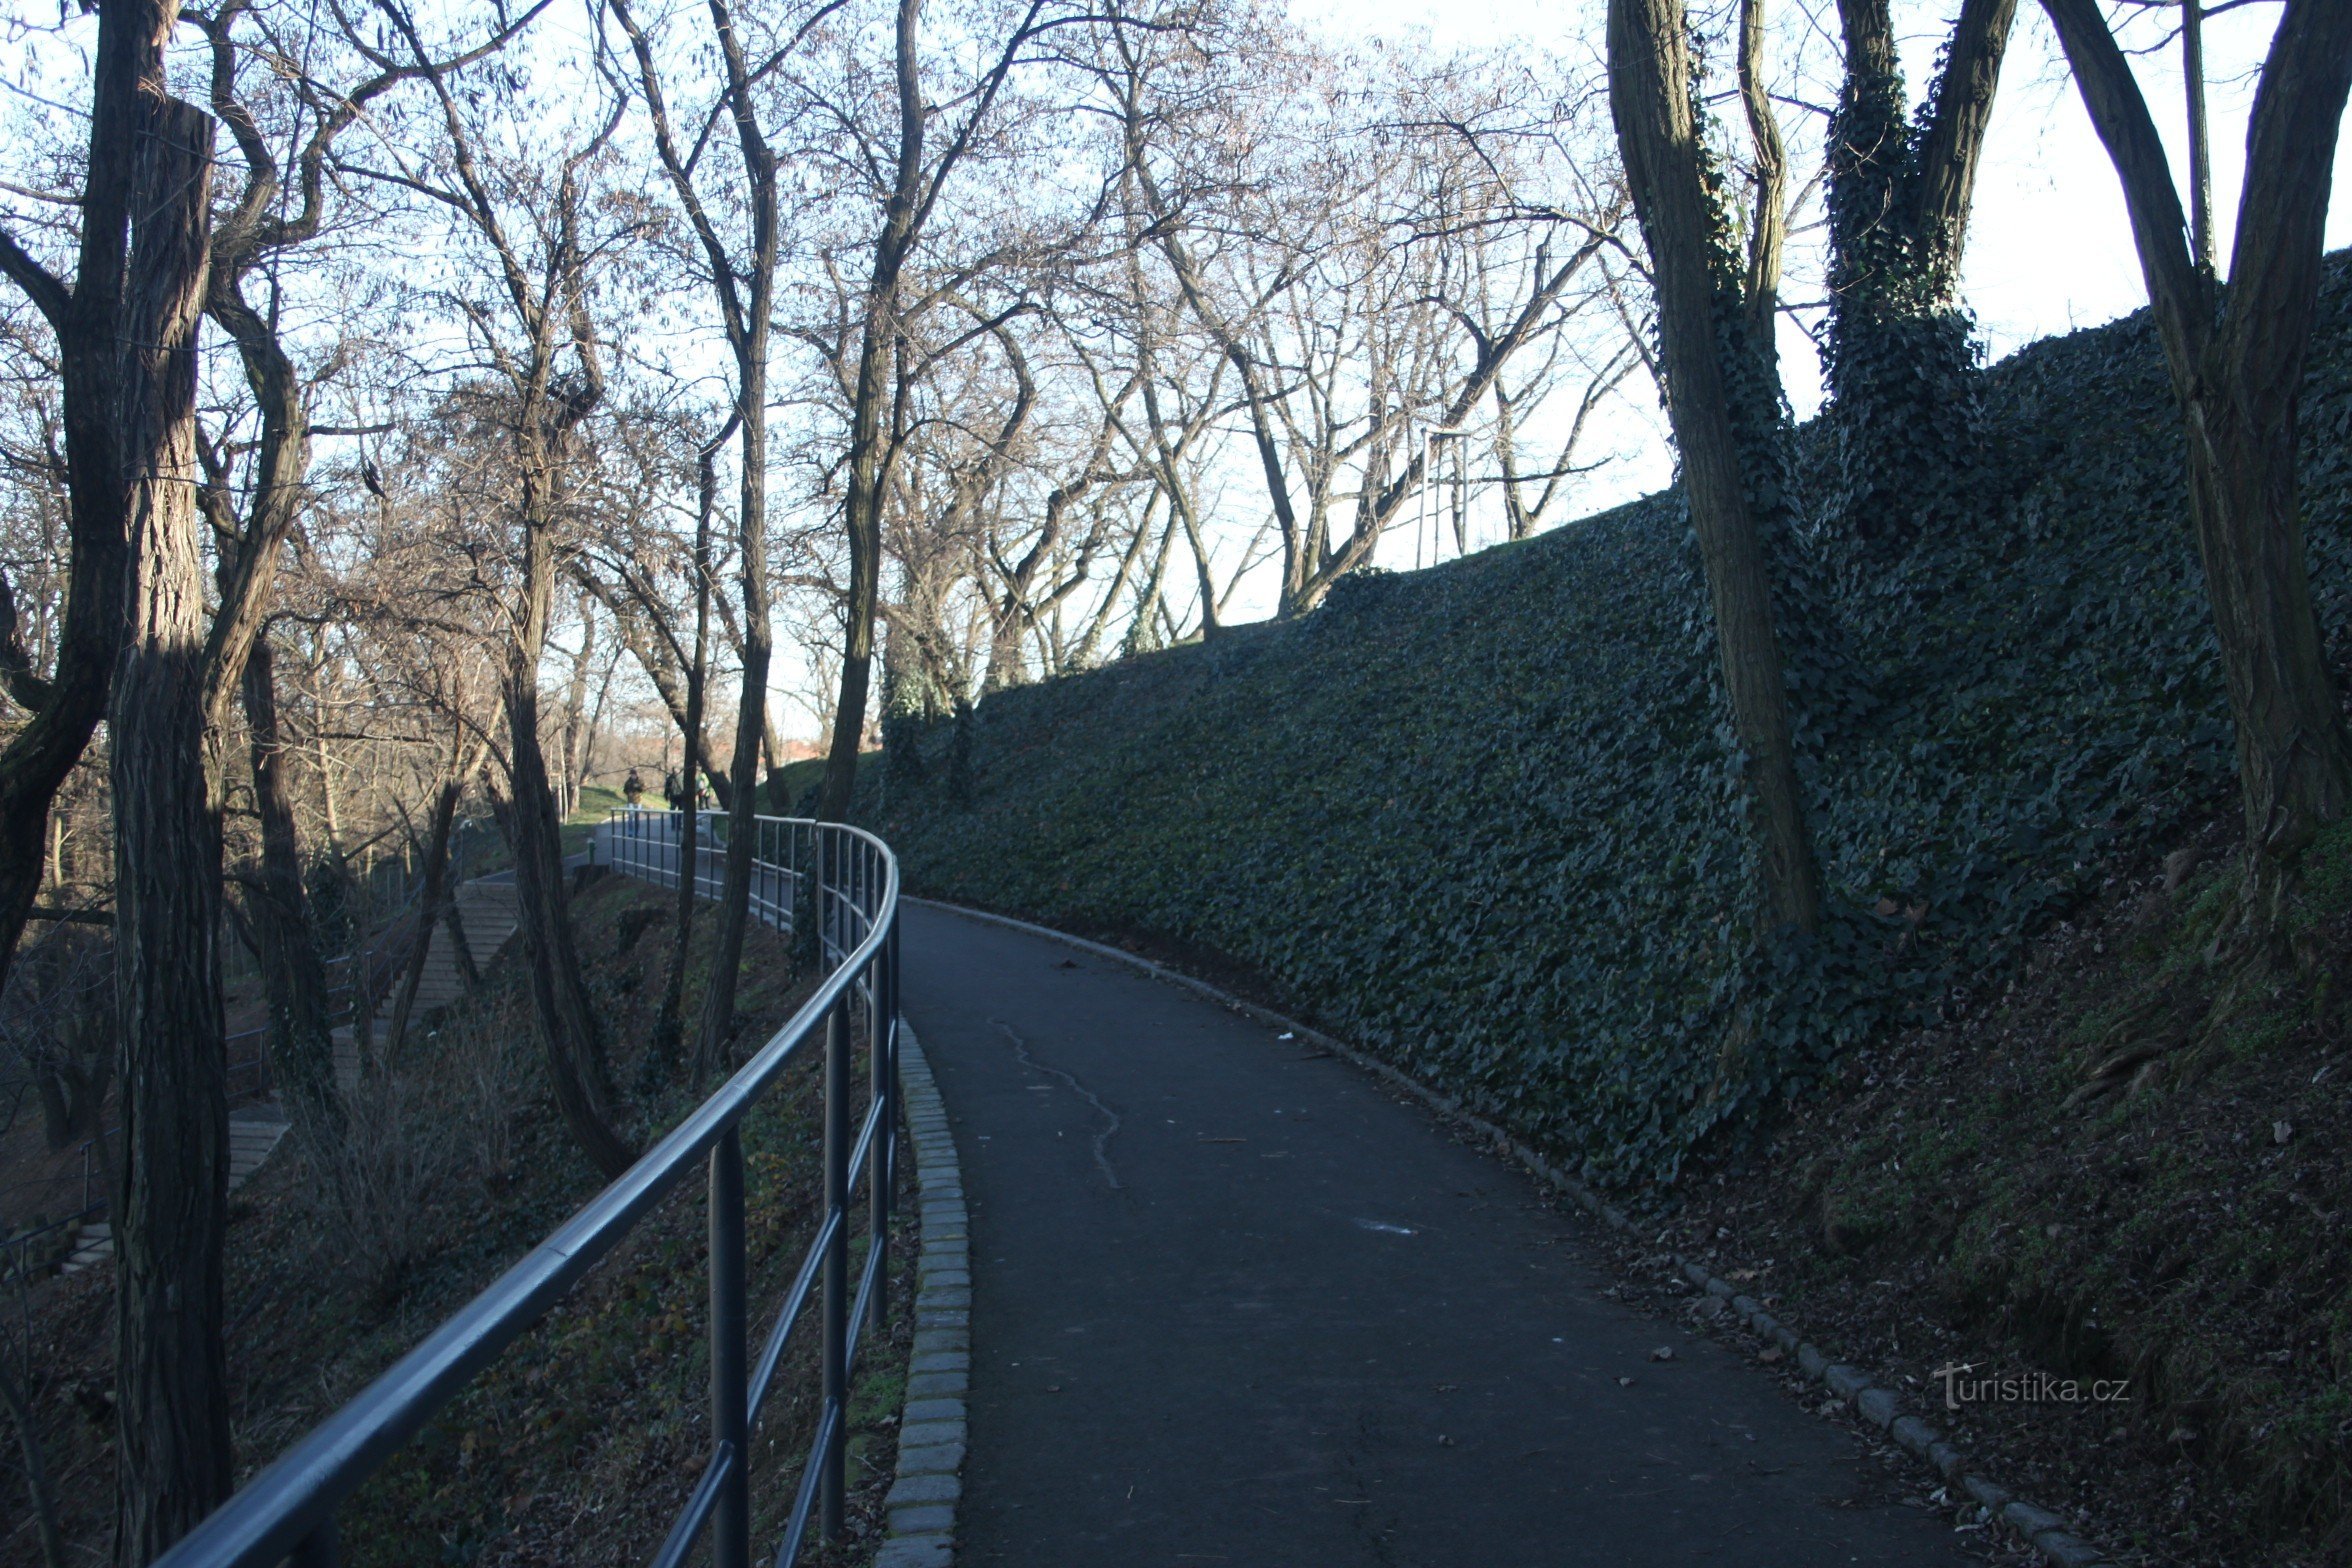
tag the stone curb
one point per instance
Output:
(922, 1500)
(2036, 1527)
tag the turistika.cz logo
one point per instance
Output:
(1964, 1386)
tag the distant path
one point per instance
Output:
(1234, 1304)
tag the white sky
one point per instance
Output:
(2050, 248)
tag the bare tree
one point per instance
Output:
(1722, 395)
(541, 240)
(1343, 291)
(918, 174)
(86, 318)
(743, 279)
(2236, 359)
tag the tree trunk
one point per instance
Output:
(127, 71)
(663, 1051)
(567, 1021)
(1901, 361)
(2200, 138)
(2294, 766)
(2237, 370)
(749, 319)
(430, 902)
(1768, 226)
(1724, 412)
(294, 973)
(751, 717)
(172, 1395)
(862, 506)
(862, 520)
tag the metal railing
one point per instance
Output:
(650, 844)
(850, 881)
(248, 1080)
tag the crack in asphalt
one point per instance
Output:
(1102, 1139)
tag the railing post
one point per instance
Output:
(836, 1286)
(729, 1375)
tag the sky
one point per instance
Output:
(2050, 249)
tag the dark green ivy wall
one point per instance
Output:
(1484, 819)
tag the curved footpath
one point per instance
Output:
(1234, 1303)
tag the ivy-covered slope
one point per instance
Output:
(1485, 819)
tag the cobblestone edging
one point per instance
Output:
(2037, 1527)
(922, 1502)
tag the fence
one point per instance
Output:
(848, 882)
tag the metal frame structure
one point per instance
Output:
(847, 880)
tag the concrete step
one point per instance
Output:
(250, 1145)
(490, 913)
(87, 1257)
(251, 1142)
(93, 1245)
(430, 980)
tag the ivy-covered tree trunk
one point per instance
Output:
(2236, 359)
(171, 1220)
(904, 716)
(1723, 402)
(1901, 360)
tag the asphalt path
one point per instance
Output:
(1235, 1302)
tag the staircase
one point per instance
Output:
(489, 912)
(254, 1132)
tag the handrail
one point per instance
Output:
(289, 1509)
(94, 1189)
